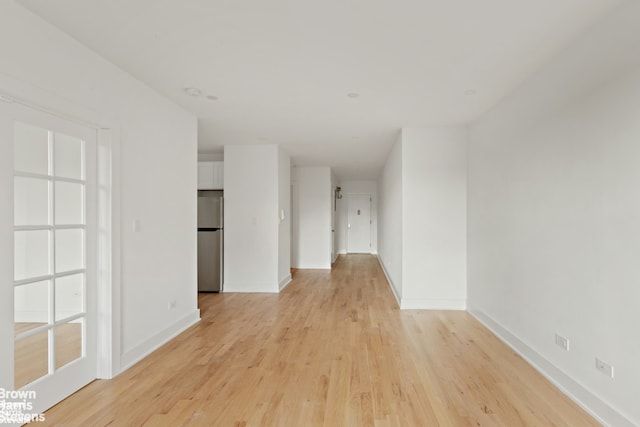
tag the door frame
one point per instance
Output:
(349, 196)
(108, 285)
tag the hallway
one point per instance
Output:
(332, 349)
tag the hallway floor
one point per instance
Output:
(332, 349)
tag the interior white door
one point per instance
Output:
(359, 223)
(52, 248)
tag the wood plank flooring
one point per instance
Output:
(332, 349)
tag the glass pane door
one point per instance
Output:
(48, 317)
(50, 253)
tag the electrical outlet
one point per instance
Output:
(562, 342)
(604, 367)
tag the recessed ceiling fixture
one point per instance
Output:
(353, 95)
(212, 97)
(469, 92)
(192, 91)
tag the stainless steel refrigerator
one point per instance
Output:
(210, 240)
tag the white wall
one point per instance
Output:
(356, 187)
(434, 218)
(314, 208)
(554, 209)
(251, 218)
(422, 218)
(390, 216)
(156, 166)
(284, 208)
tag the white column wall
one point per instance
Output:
(390, 219)
(435, 216)
(314, 217)
(251, 218)
(284, 209)
(422, 218)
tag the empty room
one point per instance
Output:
(335, 213)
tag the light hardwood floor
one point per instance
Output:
(332, 349)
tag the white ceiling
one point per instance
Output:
(282, 69)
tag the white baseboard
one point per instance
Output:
(389, 281)
(314, 267)
(432, 304)
(284, 282)
(599, 409)
(342, 252)
(144, 349)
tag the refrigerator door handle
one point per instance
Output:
(221, 212)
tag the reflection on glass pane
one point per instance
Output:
(69, 296)
(31, 306)
(69, 206)
(69, 250)
(67, 156)
(68, 342)
(31, 149)
(31, 358)
(30, 201)
(31, 254)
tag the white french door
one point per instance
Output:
(53, 274)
